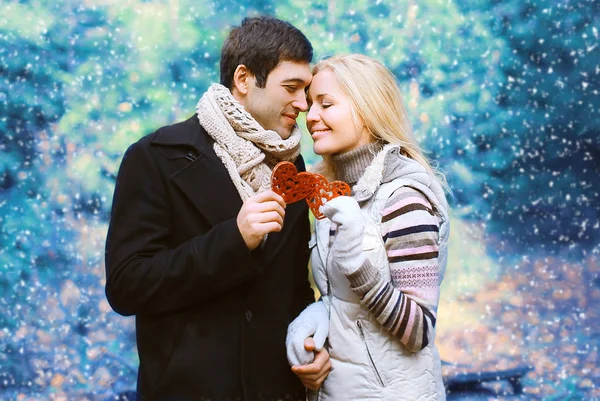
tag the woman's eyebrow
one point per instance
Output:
(321, 95)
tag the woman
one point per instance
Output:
(380, 254)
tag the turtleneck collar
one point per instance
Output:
(351, 165)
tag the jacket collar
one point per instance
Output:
(390, 164)
(187, 134)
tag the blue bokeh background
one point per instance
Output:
(503, 95)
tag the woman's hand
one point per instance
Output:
(347, 250)
(313, 321)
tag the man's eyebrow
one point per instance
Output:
(293, 80)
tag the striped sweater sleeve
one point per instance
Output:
(406, 305)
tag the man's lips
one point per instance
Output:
(292, 117)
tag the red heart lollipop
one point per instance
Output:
(323, 191)
(287, 182)
(294, 186)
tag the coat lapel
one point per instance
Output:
(199, 173)
(209, 189)
(203, 179)
(293, 212)
(276, 240)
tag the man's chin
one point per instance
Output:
(284, 133)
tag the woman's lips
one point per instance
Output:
(316, 134)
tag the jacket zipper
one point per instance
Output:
(330, 297)
(325, 267)
(362, 335)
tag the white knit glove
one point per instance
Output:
(313, 321)
(347, 251)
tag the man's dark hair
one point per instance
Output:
(261, 43)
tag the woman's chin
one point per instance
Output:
(321, 151)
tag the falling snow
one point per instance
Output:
(503, 95)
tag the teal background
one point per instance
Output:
(503, 95)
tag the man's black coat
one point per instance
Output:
(211, 316)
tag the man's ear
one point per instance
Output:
(241, 79)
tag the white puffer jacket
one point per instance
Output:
(368, 362)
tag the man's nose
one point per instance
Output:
(300, 102)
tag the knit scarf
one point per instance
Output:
(248, 151)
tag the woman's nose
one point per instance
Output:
(312, 115)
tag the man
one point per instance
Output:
(210, 261)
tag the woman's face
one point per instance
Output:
(329, 119)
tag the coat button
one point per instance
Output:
(248, 315)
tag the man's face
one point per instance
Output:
(276, 106)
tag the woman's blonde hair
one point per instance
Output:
(377, 103)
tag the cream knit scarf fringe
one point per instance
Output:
(248, 151)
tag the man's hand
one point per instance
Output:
(313, 375)
(260, 214)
